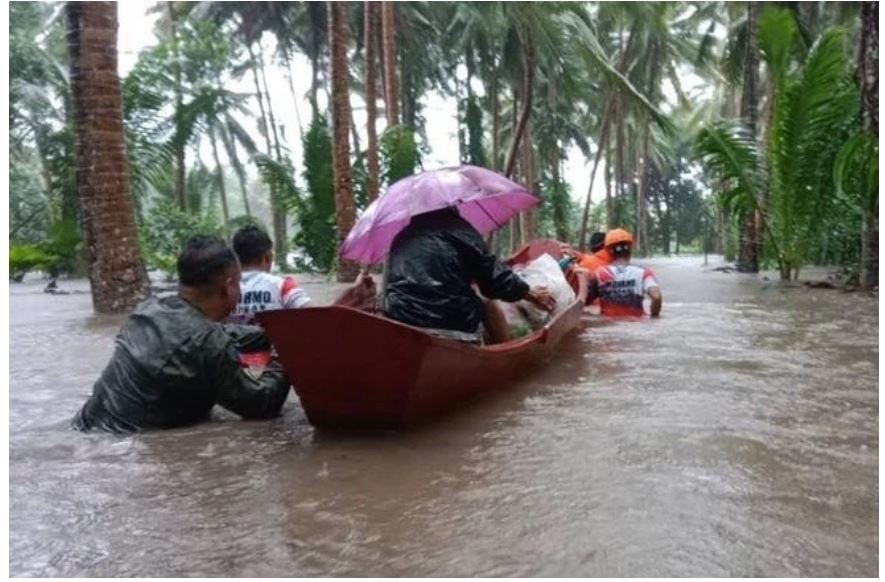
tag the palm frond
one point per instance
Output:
(729, 150)
(777, 36)
(280, 178)
(856, 172)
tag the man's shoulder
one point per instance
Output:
(261, 278)
(168, 320)
(172, 306)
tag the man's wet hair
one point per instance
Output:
(597, 241)
(251, 244)
(204, 260)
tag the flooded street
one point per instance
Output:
(735, 436)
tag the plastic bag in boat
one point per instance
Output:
(545, 272)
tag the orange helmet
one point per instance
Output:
(617, 236)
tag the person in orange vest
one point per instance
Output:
(598, 257)
(621, 286)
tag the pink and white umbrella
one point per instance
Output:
(485, 199)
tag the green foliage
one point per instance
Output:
(791, 182)
(400, 156)
(474, 152)
(360, 172)
(26, 258)
(730, 152)
(43, 189)
(316, 217)
(279, 178)
(678, 210)
(856, 172)
(238, 222)
(65, 245)
(56, 254)
(165, 230)
(29, 215)
(557, 212)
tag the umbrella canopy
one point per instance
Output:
(485, 199)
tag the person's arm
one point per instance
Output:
(292, 296)
(495, 280)
(361, 295)
(653, 290)
(233, 388)
(656, 300)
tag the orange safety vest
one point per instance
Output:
(598, 259)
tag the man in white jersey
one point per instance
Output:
(621, 286)
(260, 289)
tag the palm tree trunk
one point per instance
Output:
(371, 23)
(379, 50)
(460, 117)
(603, 141)
(354, 134)
(668, 222)
(116, 271)
(645, 177)
(271, 118)
(388, 34)
(407, 98)
(265, 130)
(869, 92)
(528, 217)
(528, 75)
(180, 161)
(279, 213)
(345, 211)
(609, 175)
(620, 138)
(219, 175)
(496, 121)
(516, 92)
(316, 13)
(516, 222)
(748, 260)
(608, 114)
(287, 61)
(231, 149)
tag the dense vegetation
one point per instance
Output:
(749, 128)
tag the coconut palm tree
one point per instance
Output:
(116, 271)
(748, 260)
(813, 109)
(869, 79)
(345, 211)
(371, 25)
(388, 35)
(856, 173)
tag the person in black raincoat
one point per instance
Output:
(173, 361)
(432, 267)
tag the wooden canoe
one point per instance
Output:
(358, 370)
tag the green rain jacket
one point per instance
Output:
(171, 365)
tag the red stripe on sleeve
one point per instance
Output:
(289, 285)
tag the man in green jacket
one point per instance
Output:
(173, 361)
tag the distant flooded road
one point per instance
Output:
(735, 436)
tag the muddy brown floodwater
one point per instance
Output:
(735, 436)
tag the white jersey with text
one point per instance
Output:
(262, 291)
(622, 288)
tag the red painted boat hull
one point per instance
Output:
(359, 370)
